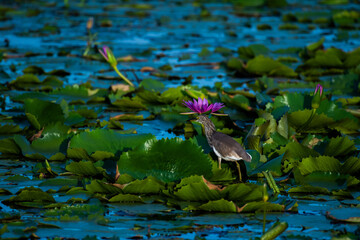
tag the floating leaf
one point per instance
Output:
(339, 146)
(85, 169)
(262, 65)
(150, 185)
(166, 159)
(321, 163)
(107, 141)
(309, 190)
(127, 198)
(44, 112)
(195, 189)
(221, 205)
(348, 215)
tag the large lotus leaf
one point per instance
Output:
(340, 146)
(351, 166)
(150, 185)
(97, 186)
(44, 112)
(243, 192)
(262, 65)
(166, 159)
(195, 189)
(322, 163)
(85, 169)
(108, 141)
(220, 205)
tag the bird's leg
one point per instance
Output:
(238, 167)
(219, 160)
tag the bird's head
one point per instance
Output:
(203, 119)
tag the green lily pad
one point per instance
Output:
(262, 65)
(97, 186)
(127, 198)
(321, 163)
(243, 192)
(51, 142)
(309, 190)
(29, 195)
(150, 185)
(339, 146)
(166, 159)
(195, 189)
(45, 113)
(9, 129)
(85, 169)
(107, 141)
(260, 206)
(348, 215)
(8, 146)
(152, 85)
(220, 205)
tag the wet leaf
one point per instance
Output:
(339, 146)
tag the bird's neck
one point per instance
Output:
(209, 131)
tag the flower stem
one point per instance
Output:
(122, 76)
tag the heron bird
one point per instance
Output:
(224, 146)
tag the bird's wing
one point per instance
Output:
(226, 146)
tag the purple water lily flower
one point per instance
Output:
(318, 87)
(108, 55)
(202, 105)
(316, 100)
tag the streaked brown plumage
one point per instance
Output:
(224, 146)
